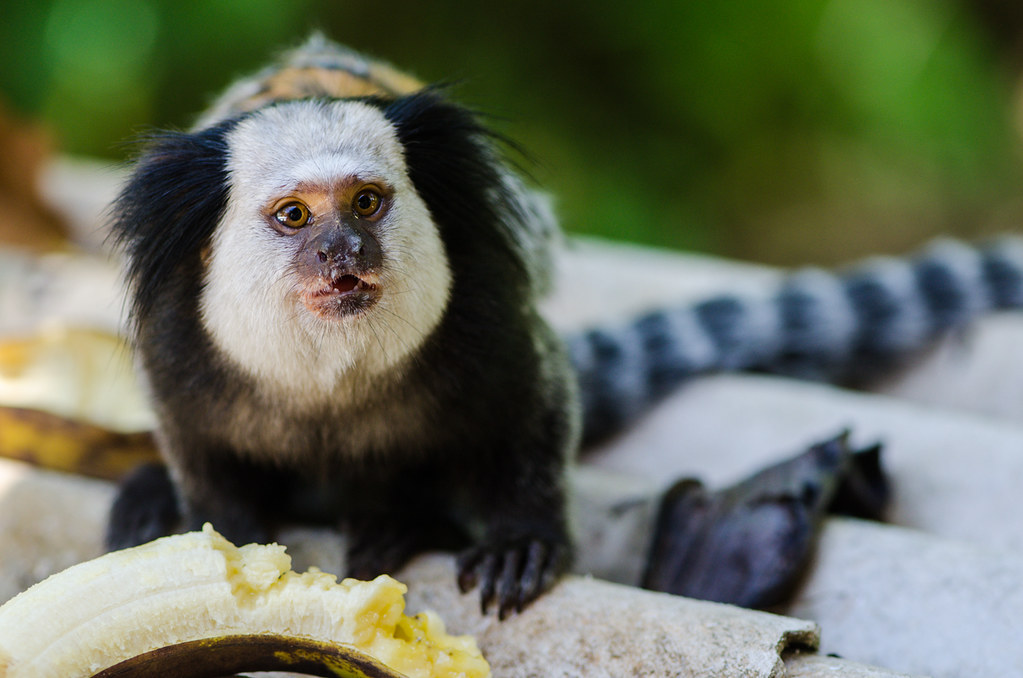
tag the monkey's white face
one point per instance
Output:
(327, 265)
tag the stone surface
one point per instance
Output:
(582, 627)
(586, 627)
(811, 665)
(910, 602)
(48, 522)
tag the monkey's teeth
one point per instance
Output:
(346, 283)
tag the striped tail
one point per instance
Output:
(837, 327)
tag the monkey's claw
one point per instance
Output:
(511, 573)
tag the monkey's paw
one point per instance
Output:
(368, 558)
(383, 545)
(145, 508)
(512, 572)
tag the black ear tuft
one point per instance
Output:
(169, 208)
(455, 167)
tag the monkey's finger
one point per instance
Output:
(509, 586)
(538, 562)
(467, 565)
(487, 572)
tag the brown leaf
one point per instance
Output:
(25, 220)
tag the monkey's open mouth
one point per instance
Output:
(345, 295)
(346, 284)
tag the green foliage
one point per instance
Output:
(785, 130)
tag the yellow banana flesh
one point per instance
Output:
(195, 599)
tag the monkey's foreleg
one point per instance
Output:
(145, 508)
(526, 544)
(214, 488)
(400, 519)
(383, 543)
(235, 497)
(515, 569)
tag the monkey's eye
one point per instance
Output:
(293, 215)
(367, 202)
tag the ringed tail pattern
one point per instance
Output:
(841, 327)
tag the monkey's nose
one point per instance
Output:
(349, 248)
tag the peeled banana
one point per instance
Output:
(196, 605)
(78, 374)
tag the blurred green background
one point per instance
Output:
(783, 131)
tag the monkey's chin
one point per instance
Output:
(345, 297)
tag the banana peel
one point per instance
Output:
(195, 605)
(50, 441)
(224, 655)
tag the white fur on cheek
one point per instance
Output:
(250, 303)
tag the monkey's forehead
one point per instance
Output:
(317, 141)
(319, 68)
